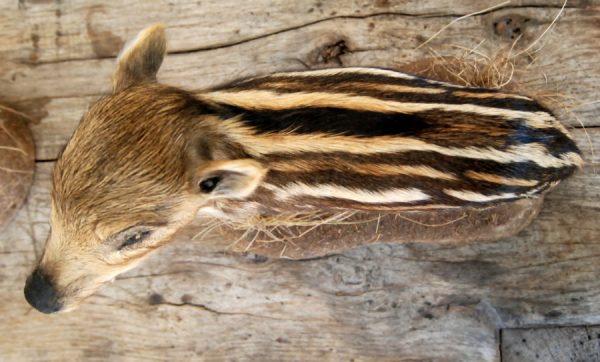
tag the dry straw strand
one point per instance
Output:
(459, 19)
(14, 111)
(562, 9)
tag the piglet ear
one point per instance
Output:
(233, 179)
(141, 58)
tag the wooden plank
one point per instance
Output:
(35, 32)
(551, 344)
(381, 302)
(365, 42)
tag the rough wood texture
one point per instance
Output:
(575, 344)
(380, 302)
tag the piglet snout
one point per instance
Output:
(40, 293)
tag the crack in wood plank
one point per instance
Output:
(323, 20)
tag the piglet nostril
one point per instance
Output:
(40, 293)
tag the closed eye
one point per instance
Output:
(133, 238)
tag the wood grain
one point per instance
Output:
(578, 344)
(383, 302)
(37, 32)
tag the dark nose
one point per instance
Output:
(40, 293)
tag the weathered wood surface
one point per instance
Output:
(53, 31)
(574, 344)
(381, 302)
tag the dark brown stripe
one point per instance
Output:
(327, 81)
(442, 163)
(299, 85)
(443, 128)
(345, 83)
(353, 180)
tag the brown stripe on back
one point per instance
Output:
(491, 94)
(493, 178)
(407, 90)
(347, 87)
(375, 169)
(407, 93)
(325, 81)
(449, 129)
(258, 145)
(442, 163)
(381, 183)
(272, 101)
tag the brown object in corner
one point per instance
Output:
(17, 162)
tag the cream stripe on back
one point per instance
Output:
(360, 70)
(298, 189)
(357, 86)
(375, 169)
(272, 100)
(384, 87)
(263, 144)
(477, 197)
(338, 71)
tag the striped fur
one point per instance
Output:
(371, 138)
(147, 158)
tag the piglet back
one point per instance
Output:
(374, 138)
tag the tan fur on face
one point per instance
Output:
(79, 261)
(124, 166)
(119, 131)
(129, 164)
